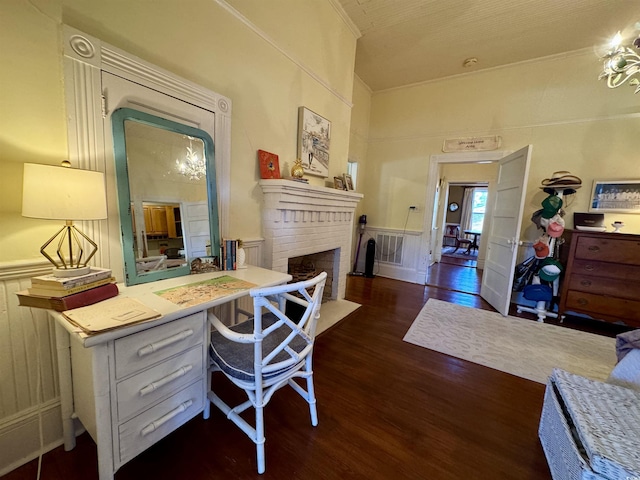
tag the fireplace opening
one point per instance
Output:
(308, 266)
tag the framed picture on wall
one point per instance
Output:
(314, 139)
(622, 196)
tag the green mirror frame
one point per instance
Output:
(118, 119)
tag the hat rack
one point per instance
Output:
(541, 309)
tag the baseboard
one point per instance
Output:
(20, 435)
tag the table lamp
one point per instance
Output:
(65, 193)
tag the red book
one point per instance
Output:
(60, 304)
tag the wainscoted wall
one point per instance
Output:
(28, 371)
(29, 391)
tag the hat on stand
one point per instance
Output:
(550, 269)
(561, 180)
(541, 247)
(555, 226)
(551, 206)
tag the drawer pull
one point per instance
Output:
(181, 372)
(589, 267)
(585, 283)
(583, 301)
(155, 346)
(594, 248)
(153, 426)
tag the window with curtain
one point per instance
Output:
(474, 208)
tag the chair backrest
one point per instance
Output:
(280, 340)
(452, 230)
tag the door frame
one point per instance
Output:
(426, 254)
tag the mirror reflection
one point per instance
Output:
(164, 179)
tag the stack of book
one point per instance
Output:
(228, 249)
(66, 293)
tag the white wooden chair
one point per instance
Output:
(268, 352)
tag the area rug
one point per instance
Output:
(460, 253)
(521, 347)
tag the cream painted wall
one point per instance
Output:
(277, 57)
(359, 134)
(268, 72)
(573, 121)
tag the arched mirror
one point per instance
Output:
(166, 182)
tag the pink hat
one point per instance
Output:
(554, 229)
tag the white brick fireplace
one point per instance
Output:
(300, 219)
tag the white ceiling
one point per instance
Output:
(412, 41)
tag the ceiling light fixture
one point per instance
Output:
(621, 64)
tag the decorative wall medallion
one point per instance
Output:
(223, 105)
(82, 46)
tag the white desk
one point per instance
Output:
(132, 386)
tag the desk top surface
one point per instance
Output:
(145, 293)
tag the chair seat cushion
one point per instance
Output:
(237, 359)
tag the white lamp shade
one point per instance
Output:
(63, 193)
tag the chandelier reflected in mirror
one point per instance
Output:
(622, 63)
(192, 166)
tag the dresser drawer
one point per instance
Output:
(606, 270)
(612, 249)
(624, 309)
(142, 431)
(142, 349)
(605, 286)
(137, 392)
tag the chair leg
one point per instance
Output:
(260, 439)
(312, 401)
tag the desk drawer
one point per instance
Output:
(143, 349)
(142, 431)
(137, 392)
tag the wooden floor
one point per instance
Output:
(387, 410)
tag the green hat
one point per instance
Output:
(551, 205)
(550, 269)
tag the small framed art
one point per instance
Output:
(348, 181)
(338, 183)
(269, 164)
(314, 138)
(622, 196)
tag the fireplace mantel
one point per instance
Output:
(300, 219)
(288, 193)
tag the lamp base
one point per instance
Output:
(71, 272)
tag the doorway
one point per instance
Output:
(459, 170)
(462, 221)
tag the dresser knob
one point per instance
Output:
(585, 283)
(594, 248)
(582, 301)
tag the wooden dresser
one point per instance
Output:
(602, 277)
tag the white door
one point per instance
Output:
(504, 231)
(195, 222)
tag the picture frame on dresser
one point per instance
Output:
(619, 196)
